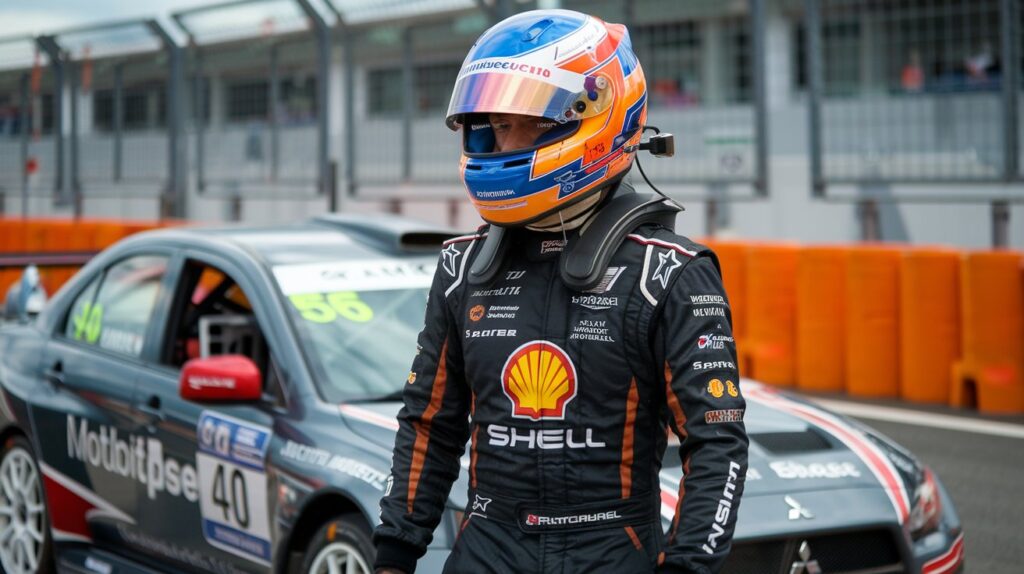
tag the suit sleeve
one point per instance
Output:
(432, 431)
(704, 408)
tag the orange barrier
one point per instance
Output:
(52, 236)
(108, 233)
(929, 323)
(768, 348)
(13, 241)
(992, 297)
(820, 318)
(732, 256)
(45, 235)
(872, 321)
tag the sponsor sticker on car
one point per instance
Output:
(233, 486)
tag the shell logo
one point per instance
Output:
(477, 313)
(731, 389)
(716, 388)
(539, 379)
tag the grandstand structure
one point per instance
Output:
(807, 120)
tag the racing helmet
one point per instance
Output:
(578, 77)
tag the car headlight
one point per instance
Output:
(926, 513)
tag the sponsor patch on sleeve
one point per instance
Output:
(724, 416)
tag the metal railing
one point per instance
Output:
(112, 154)
(931, 97)
(258, 96)
(321, 99)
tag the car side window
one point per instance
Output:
(83, 323)
(114, 311)
(216, 318)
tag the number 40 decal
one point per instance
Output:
(231, 464)
(233, 499)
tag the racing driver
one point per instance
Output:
(569, 335)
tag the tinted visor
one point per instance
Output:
(509, 93)
(511, 133)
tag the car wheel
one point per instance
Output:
(341, 546)
(25, 545)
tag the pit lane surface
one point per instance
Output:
(983, 472)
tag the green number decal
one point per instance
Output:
(349, 306)
(320, 308)
(88, 323)
(314, 308)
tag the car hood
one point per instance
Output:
(795, 446)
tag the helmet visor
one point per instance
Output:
(502, 133)
(509, 86)
(511, 94)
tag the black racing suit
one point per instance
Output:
(565, 398)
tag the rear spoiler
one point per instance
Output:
(389, 232)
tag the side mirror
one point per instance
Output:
(221, 378)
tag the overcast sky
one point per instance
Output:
(19, 17)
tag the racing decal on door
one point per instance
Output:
(78, 505)
(233, 486)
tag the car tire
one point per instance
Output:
(29, 548)
(343, 542)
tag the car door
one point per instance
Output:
(91, 453)
(222, 519)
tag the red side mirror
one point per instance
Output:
(221, 378)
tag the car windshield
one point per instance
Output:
(358, 321)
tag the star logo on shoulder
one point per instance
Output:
(480, 503)
(450, 255)
(667, 263)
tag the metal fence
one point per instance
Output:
(29, 152)
(87, 109)
(408, 70)
(915, 91)
(243, 102)
(118, 78)
(704, 64)
(256, 78)
(705, 83)
(250, 98)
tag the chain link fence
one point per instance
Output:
(698, 58)
(699, 62)
(408, 71)
(28, 148)
(118, 77)
(914, 91)
(253, 97)
(273, 94)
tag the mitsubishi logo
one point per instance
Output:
(796, 511)
(804, 565)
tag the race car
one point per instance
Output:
(225, 400)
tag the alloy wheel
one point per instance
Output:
(339, 558)
(22, 513)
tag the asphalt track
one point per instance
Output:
(984, 474)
